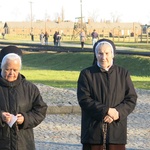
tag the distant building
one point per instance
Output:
(104, 29)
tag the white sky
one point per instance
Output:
(128, 10)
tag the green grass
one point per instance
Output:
(144, 46)
(62, 69)
(67, 39)
(140, 46)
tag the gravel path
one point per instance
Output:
(62, 131)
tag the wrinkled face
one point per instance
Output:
(11, 70)
(104, 55)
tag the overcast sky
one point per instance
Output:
(127, 10)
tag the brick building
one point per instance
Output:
(71, 28)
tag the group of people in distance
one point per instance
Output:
(57, 38)
(105, 93)
(44, 38)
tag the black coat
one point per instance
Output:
(98, 91)
(22, 97)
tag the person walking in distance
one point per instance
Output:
(58, 38)
(55, 38)
(94, 35)
(106, 96)
(42, 38)
(82, 38)
(46, 36)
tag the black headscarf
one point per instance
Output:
(102, 40)
(10, 49)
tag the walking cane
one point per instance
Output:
(104, 135)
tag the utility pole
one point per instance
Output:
(31, 32)
(45, 20)
(81, 14)
(31, 14)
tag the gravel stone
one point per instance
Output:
(62, 131)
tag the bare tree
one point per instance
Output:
(115, 17)
(93, 15)
(59, 16)
(29, 18)
(56, 16)
(47, 17)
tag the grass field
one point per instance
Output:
(67, 39)
(62, 69)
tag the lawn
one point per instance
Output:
(62, 69)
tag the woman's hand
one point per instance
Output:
(20, 119)
(108, 119)
(113, 113)
(6, 117)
